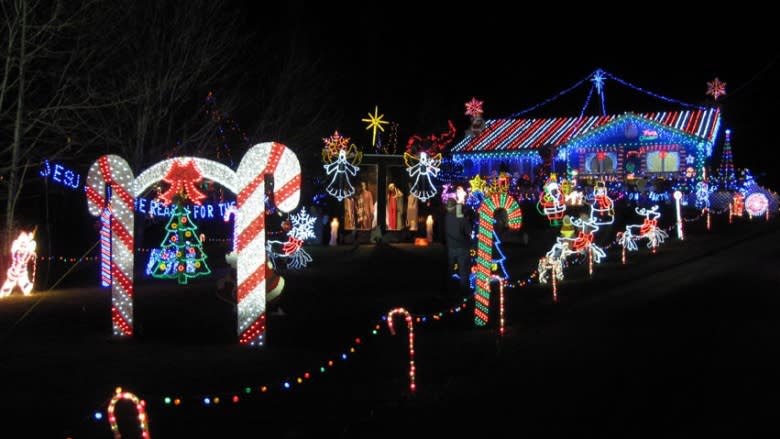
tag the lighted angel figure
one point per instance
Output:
(422, 170)
(552, 202)
(22, 255)
(345, 165)
(647, 230)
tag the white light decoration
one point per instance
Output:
(702, 195)
(551, 265)
(248, 182)
(422, 169)
(583, 243)
(574, 198)
(22, 255)
(647, 230)
(110, 184)
(209, 169)
(756, 204)
(302, 229)
(341, 162)
(263, 159)
(602, 208)
(677, 197)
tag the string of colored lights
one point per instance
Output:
(550, 99)
(287, 384)
(587, 101)
(649, 93)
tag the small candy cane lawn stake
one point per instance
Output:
(410, 325)
(140, 407)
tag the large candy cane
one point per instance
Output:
(410, 326)
(485, 248)
(110, 184)
(139, 407)
(263, 159)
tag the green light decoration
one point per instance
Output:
(181, 253)
(484, 265)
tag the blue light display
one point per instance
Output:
(60, 174)
(206, 211)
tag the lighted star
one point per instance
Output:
(477, 184)
(716, 89)
(598, 80)
(474, 107)
(375, 121)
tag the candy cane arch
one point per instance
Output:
(140, 407)
(485, 248)
(110, 186)
(248, 182)
(410, 326)
(263, 159)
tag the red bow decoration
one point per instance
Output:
(182, 176)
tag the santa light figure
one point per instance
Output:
(22, 254)
(552, 202)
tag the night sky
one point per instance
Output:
(420, 66)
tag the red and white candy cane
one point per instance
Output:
(263, 159)
(110, 183)
(140, 407)
(410, 325)
(484, 263)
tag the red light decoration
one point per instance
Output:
(183, 175)
(410, 326)
(484, 263)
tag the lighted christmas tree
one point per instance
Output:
(181, 252)
(726, 174)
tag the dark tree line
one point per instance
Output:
(81, 79)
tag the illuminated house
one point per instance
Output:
(663, 144)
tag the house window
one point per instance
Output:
(663, 161)
(601, 163)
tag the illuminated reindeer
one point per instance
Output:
(552, 263)
(647, 230)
